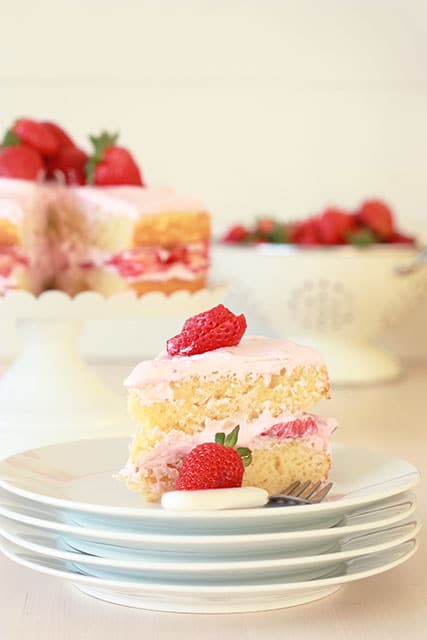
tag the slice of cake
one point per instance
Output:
(210, 380)
(117, 238)
(25, 259)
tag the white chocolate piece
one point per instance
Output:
(215, 499)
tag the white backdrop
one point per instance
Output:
(256, 105)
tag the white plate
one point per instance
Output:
(205, 570)
(118, 543)
(214, 598)
(78, 476)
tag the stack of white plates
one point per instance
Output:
(63, 513)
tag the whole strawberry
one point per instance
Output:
(237, 233)
(36, 135)
(306, 234)
(333, 225)
(378, 217)
(213, 329)
(70, 163)
(61, 136)
(110, 164)
(214, 465)
(21, 162)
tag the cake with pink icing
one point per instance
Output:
(205, 383)
(101, 239)
(75, 221)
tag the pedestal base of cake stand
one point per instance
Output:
(352, 362)
(50, 394)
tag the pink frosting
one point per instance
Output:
(18, 188)
(124, 200)
(151, 263)
(254, 355)
(18, 197)
(134, 201)
(11, 209)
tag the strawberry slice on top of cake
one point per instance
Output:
(213, 384)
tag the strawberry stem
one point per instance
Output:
(245, 454)
(361, 238)
(220, 438)
(11, 139)
(100, 144)
(231, 441)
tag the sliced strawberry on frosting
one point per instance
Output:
(298, 428)
(213, 329)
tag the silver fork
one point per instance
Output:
(302, 493)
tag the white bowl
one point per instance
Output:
(336, 299)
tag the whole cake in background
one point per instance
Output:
(75, 222)
(209, 381)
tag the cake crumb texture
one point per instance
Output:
(196, 399)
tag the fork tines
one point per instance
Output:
(304, 492)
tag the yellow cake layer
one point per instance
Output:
(276, 467)
(273, 468)
(195, 400)
(169, 229)
(9, 233)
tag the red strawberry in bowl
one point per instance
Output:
(21, 162)
(401, 238)
(306, 233)
(110, 164)
(333, 225)
(213, 329)
(378, 217)
(237, 233)
(214, 465)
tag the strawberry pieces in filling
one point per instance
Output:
(301, 427)
(151, 260)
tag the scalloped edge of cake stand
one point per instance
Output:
(49, 394)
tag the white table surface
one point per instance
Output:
(390, 606)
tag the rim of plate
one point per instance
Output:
(156, 513)
(72, 554)
(229, 589)
(167, 538)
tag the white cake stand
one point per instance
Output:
(50, 394)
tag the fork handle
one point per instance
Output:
(283, 497)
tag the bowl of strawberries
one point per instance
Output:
(335, 281)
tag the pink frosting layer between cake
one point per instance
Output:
(253, 356)
(152, 263)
